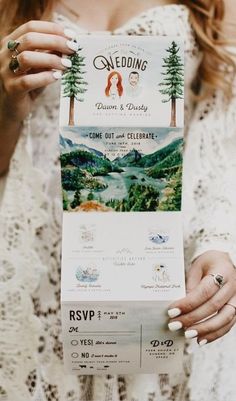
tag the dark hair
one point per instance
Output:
(134, 73)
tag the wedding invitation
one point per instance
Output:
(121, 143)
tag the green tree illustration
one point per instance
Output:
(73, 83)
(173, 193)
(77, 199)
(173, 82)
(90, 196)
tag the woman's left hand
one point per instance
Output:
(208, 311)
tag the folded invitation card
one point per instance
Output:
(121, 143)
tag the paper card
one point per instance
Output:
(119, 337)
(120, 81)
(121, 142)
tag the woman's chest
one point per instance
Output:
(105, 14)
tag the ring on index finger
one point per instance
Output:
(218, 279)
(14, 64)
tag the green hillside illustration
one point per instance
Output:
(134, 182)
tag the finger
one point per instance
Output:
(205, 339)
(27, 83)
(233, 299)
(194, 277)
(212, 306)
(42, 41)
(213, 324)
(232, 302)
(198, 296)
(35, 60)
(42, 27)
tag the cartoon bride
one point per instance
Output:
(114, 88)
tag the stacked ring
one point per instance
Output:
(12, 46)
(14, 65)
(218, 279)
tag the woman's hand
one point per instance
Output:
(41, 45)
(207, 312)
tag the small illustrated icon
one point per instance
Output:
(87, 233)
(87, 274)
(124, 251)
(160, 274)
(158, 238)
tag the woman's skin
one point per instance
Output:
(17, 94)
(18, 91)
(107, 14)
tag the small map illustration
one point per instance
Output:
(87, 274)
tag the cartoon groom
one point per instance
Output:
(133, 89)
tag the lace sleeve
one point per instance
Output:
(210, 171)
(25, 138)
(21, 215)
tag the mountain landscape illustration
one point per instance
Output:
(68, 145)
(133, 182)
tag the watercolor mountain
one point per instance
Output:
(134, 182)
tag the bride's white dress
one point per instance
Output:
(30, 233)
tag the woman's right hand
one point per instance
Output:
(41, 47)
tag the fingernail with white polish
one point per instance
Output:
(72, 45)
(174, 326)
(174, 312)
(191, 333)
(203, 342)
(66, 62)
(57, 74)
(70, 34)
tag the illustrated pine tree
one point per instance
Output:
(73, 82)
(77, 199)
(173, 82)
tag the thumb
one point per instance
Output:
(194, 275)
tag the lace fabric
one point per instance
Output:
(30, 230)
(210, 149)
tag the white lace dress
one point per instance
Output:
(31, 366)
